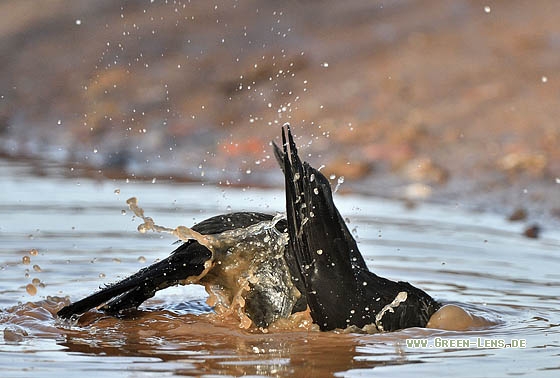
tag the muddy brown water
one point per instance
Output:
(85, 237)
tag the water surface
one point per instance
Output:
(85, 237)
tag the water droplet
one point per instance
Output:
(33, 252)
(324, 64)
(31, 289)
(101, 275)
(36, 268)
(487, 9)
(339, 182)
(26, 260)
(544, 79)
(117, 191)
(319, 251)
(141, 259)
(78, 22)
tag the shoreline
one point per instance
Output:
(528, 214)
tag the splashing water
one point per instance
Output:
(247, 275)
(339, 182)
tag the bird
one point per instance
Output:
(263, 267)
(241, 265)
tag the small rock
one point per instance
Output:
(532, 231)
(424, 170)
(351, 170)
(518, 162)
(417, 191)
(518, 215)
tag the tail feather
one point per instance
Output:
(279, 155)
(340, 289)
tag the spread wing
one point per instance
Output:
(189, 261)
(340, 289)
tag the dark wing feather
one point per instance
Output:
(232, 221)
(340, 289)
(186, 261)
(321, 242)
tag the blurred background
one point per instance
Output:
(447, 101)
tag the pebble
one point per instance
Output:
(532, 231)
(518, 214)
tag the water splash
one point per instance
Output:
(247, 276)
(339, 182)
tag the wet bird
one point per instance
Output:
(242, 266)
(266, 268)
(340, 290)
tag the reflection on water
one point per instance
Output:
(83, 241)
